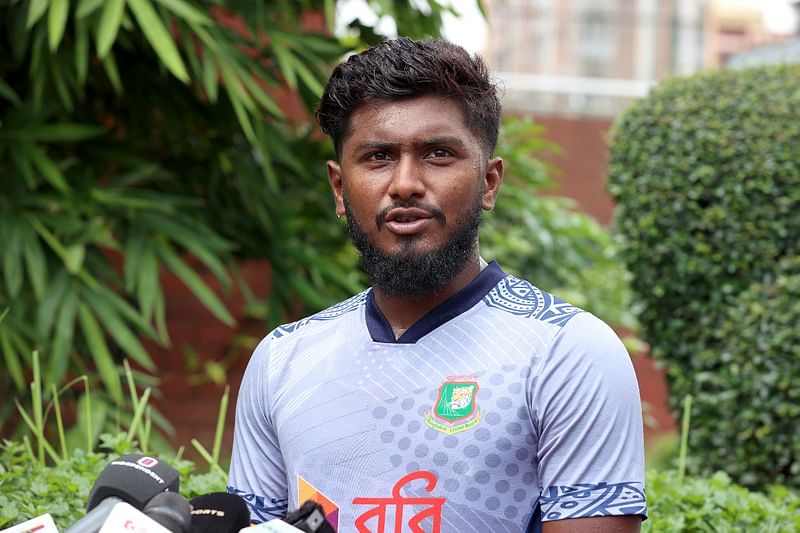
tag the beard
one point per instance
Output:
(410, 273)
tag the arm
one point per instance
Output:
(591, 442)
(598, 524)
(257, 472)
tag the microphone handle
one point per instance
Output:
(93, 520)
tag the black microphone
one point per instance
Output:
(219, 512)
(171, 510)
(310, 517)
(132, 478)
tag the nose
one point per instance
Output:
(408, 180)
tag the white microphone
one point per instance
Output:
(126, 517)
(41, 524)
(273, 526)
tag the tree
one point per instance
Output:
(144, 135)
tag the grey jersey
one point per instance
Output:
(502, 408)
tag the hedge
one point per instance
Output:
(706, 175)
(28, 489)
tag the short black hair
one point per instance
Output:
(403, 68)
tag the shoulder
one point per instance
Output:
(332, 313)
(520, 298)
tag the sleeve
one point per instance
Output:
(257, 472)
(589, 423)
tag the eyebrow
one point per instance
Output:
(433, 141)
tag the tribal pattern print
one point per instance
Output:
(519, 297)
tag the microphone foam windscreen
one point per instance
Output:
(219, 512)
(171, 510)
(134, 478)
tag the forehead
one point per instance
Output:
(408, 120)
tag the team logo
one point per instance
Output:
(455, 409)
(147, 462)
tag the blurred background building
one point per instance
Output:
(576, 64)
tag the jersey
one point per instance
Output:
(502, 408)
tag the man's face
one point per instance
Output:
(412, 180)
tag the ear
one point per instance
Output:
(335, 179)
(491, 183)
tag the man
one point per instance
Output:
(450, 396)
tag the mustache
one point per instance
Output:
(432, 210)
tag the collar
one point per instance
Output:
(381, 331)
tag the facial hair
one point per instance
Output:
(409, 273)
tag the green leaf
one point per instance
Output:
(158, 37)
(110, 19)
(60, 132)
(148, 284)
(106, 367)
(119, 331)
(87, 7)
(47, 308)
(48, 169)
(110, 66)
(7, 92)
(186, 11)
(81, 50)
(57, 21)
(195, 284)
(12, 259)
(35, 261)
(62, 336)
(12, 360)
(210, 75)
(36, 10)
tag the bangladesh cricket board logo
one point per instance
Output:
(455, 409)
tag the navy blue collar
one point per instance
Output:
(381, 331)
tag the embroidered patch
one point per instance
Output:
(456, 406)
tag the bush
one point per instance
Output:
(716, 504)
(706, 175)
(29, 488)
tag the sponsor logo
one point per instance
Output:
(408, 509)
(456, 408)
(147, 462)
(306, 491)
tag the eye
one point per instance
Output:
(378, 156)
(440, 152)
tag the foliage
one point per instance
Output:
(40, 477)
(143, 135)
(138, 136)
(715, 504)
(706, 175)
(543, 238)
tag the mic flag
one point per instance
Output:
(171, 510)
(125, 517)
(219, 512)
(41, 524)
(134, 478)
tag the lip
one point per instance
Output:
(407, 220)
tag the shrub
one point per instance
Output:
(29, 488)
(716, 504)
(706, 175)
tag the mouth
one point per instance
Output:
(407, 220)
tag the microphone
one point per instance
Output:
(41, 524)
(171, 510)
(126, 517)
(219, 512)
(132, 478)
(309, 518)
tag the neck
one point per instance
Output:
(402, 313)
